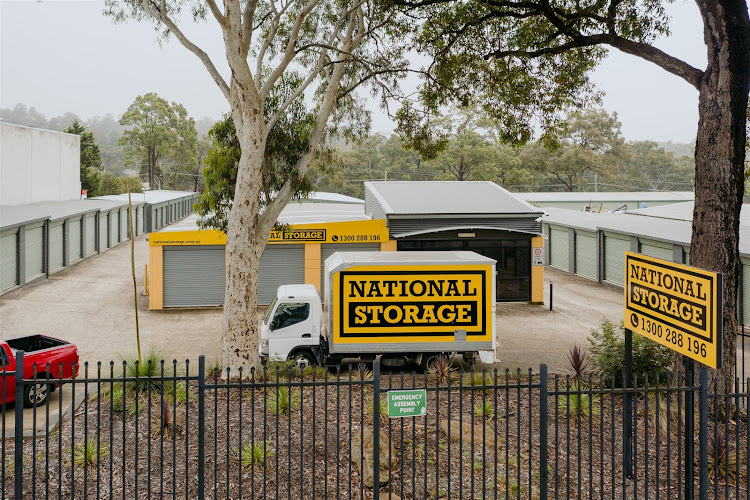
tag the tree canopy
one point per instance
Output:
(91, 158)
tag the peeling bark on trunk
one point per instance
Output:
(719, 157)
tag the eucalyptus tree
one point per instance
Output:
(319, 51)
(525, 61)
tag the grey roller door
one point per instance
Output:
(657, 250)
(328, 250)
(90, 234)
(55, 246)
(586, 258)
(745, 292)
(8, 260)
(103, 231)
(558, 242)
(280, 265)
(194, 276)
(614, 258)
(139, 224)
(34, 252)
(114, 228)
(124, 224)
(686, 255)
(74, 240)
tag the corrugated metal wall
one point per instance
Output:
(8, 258)
(139, 224)
(124, 224)
(586, 255)
(34, 251)
(280, 265)
(615, 247)
(558, 248)
(657, 249)
(103, 231)
(194, 276)
(55, 246)
(114, 227)
(74, 240)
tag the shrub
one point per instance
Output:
(165, 422)
(484, 410)
(85, 453)
(150, 367)
(579, 403)
(254, 453)
(579, 363)
(607, 344)
(724, 463)
(283, 400)
(442, 369)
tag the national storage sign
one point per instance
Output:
(412, 303)
(675, 305)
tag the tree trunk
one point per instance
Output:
(719, 157)
(244, 250)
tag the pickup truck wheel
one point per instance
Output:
(35, 394)
(303, 360)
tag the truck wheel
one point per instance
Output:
(35, 394)
(303, 360)
(428, 360)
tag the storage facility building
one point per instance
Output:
(187, 265)
(162, 207)
(605, 201)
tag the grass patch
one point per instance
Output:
(283, 400)
(255, 453)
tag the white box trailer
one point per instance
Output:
(403, 306)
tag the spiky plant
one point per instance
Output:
(363, 373)
(85, 453)
(442, 369)
(579, 403)
(283, 400)
(578, 362)
(255, 453)
(382, 409)
(478, 380)
(165, 422)
(724, 463)
(484, 410)
(146, 372)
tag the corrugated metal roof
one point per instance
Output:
(14, 215)
(152, 197)
(615, 196)
(294, 213)
(683, 211)
(448, 197)
(325, 197)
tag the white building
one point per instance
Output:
(38, 165)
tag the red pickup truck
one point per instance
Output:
(39, 350)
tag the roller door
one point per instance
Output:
(586, 255)
(114, 228)
(686, 255)
(657, 249)
(328, 250)
(55, 246)
(124, 224)
(745, 292)
(8, 259)
(103, 231)
(194, 276)
(139, 223)
(90, 234)
(280, 265)
(614, 258)
(558, 251)
(34, 252)
(74, 240)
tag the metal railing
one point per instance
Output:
(183, 431)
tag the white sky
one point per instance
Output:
(66, 56)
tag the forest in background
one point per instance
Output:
(590, 155)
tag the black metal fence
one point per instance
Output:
(183, 431)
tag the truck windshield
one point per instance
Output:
(268, 312)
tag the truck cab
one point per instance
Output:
(291, 327)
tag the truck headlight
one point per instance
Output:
(264, 346)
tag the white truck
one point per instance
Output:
(404, 306)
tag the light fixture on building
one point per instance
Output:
(466, 235)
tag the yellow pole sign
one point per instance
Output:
(675, 305)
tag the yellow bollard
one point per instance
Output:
(145, 280)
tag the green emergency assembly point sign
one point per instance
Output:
(411, 403)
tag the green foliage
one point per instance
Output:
(607, 345)
(91, 158)
(111, 184)
(283, 400)
(255, 453)
(725, 463)
(146, 372)
(162, 140)
(484, 410)
(579, 404)
(85, 454)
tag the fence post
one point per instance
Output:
(543, 436)
(690, 430)
(627, 408)
(376, 429)
(18, 428)
(703, 432)
(201, 426)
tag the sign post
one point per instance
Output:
(679, 307)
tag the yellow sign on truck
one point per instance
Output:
(675, 305)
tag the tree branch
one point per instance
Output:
(248, 16)
(172, 27)
(217, 13)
